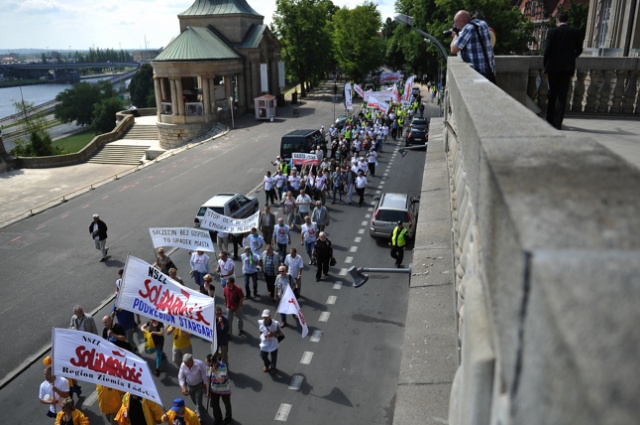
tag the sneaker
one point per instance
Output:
(265, 369)
(158, 371)
(106, 251)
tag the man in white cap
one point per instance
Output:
(269, 333)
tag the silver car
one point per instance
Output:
(389, 210)
(228, 204)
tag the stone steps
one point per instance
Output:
(120, 154)
(142, 132)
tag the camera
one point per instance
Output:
(449, 33)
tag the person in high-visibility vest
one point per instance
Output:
(398, 242)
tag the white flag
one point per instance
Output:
(359, 90)
(289, 305)
(89, 358)
(348, 97)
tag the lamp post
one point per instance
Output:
(360, 278)
(233, 125)
(428, 38)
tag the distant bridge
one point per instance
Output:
(68, 65)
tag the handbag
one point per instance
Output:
(333, 261)
(280, 337)
(149, 345)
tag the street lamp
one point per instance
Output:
(360, 278)
(428, 38)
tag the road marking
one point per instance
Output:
(105, 197)
(337, 285)
(370, 209)
(364, 223)
(324, 316)
(361, 231)
(381, 186)
(348, 260)
(357, 239)
(353, 249)
(367, 215)
(296, 381)
(16, 238)
(91, 399)
(373, 202)
(40, 227)
(306, 357)
(378, 192)
(64, 216)
(283, 412)
(315, 337)
(332, 299)
(343, 272)
(85, 206)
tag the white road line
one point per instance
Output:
(348, 260)
(315, 337)
(364, 223)
(337, 285)
(353, 249)
(343, 272)
(370, 209)
(332, 299)
(378, 192)
(324, 316)
(91, 399)
(381, 186)
(361, 231)
(296, 381)
(368, 215)
(283, 412)
(306, 357)
(357, 239)
(372, 203)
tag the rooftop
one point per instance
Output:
(219, 7)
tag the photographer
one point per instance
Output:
(472, 39)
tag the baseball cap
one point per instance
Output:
(266, 313)
(178, 404)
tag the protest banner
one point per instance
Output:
(406, 96)
(289, 305)
(395, 94)
(348, 96)
(181, 237)
(378, 104)
(221, 223)
(390, 77)
(300, 158)
(148, 292)
(358, 90)
(89, 358)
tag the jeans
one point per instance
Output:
(350, 192)
(198, 277)
(308, 246)
(196, 393)
(265, 359)
(230, 314)
(337, 191)
(247, 289)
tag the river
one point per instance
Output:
(36, 94)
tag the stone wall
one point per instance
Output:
(175, 135)
(547, 259)
(79, 157)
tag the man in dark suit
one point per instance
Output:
(561, 48)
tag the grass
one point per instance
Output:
(75, 142)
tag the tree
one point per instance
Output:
(104, 115)
(141, 87)
(77, 103)
(302, 26)
(357, 46)
(39, 142)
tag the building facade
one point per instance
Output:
(223, 58)
(612, 28)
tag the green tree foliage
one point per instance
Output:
(39, 142)
(358, 47)
(104, 115)
(141, 88)
(77, 103)
(302, 26)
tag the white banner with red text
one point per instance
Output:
(348, 96)
(181, 237)
(89, 358)
(377, 103)
(149, 293)
(406, 96)
(289, 305)
(358, 90)
(300, 158)
(390, 77)
(221, 223)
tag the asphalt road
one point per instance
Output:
(353, 364)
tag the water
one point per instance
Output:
(36, 94)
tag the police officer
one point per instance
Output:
(398, 242)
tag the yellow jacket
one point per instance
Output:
(77, 417)
(109, 399)
(190, 417)
(152, 411)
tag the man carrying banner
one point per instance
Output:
(114, 333)
(289, 305)
(52, 390)
(200, 267)
(181, 344)
(136, 410)
(219, 387)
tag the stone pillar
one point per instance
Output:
(255, 83)
(242, 93)
(180, 96)
(174, 96)
(228, 89)
(212, 97)
(156, 87)
(206, 99)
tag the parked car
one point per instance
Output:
(340, 121)
(391, 208)
(418, 132)
(303, 141)
(419, 123)
(230, 205)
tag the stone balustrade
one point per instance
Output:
(546, 247)
(601, 86)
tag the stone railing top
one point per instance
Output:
(562, 191)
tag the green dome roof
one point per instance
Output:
(219, 7)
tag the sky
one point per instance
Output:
(79, 25)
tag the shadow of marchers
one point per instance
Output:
(241, 380)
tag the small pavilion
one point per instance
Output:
(224, 51)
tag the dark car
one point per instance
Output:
(418, 132)
(340, 121)
(303, 141)
(419, 124)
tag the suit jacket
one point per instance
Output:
(561, 48)
(272, 222)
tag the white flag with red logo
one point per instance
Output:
(89, 358)
(395, 94)
(289, 305)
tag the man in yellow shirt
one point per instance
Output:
(181, 344)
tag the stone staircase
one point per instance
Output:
(131, 149)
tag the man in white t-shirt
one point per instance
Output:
(282, 236)
(295, 264)
(308, 234)
(303, 202)
(226, 268)
(294, 180)
(269, 188)
(279, 179)
(52, 391)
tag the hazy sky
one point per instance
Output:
(78, 24)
